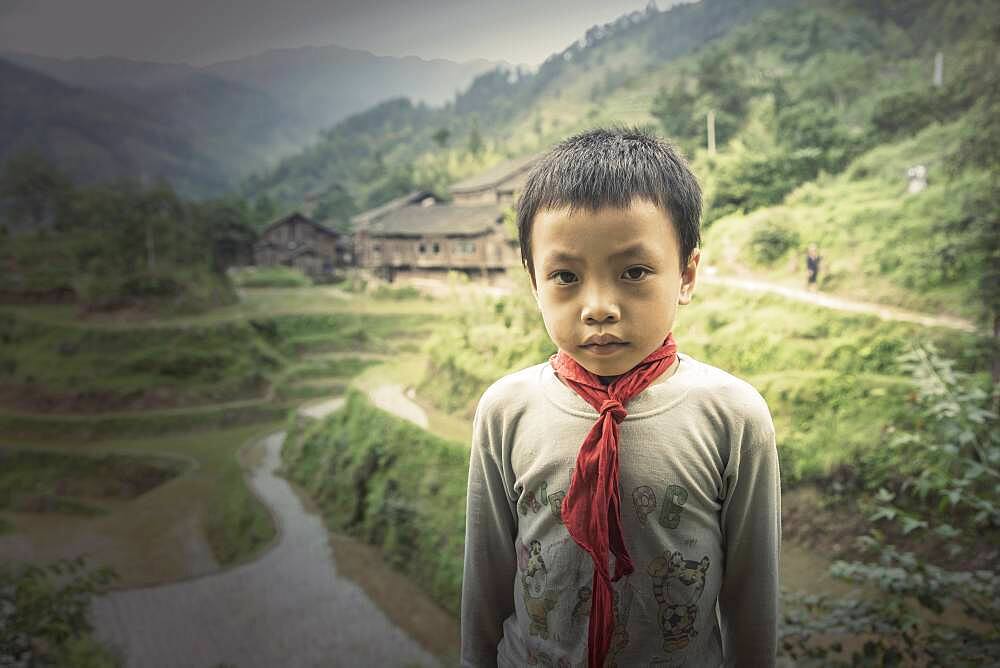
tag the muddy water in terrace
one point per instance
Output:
(290, 607)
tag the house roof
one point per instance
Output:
(297, 216)
(494, 176)
(416, 221)
(367, 217)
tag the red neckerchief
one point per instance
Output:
(591, 510)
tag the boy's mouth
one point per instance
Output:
(603, 344)
(602, 340)
(603, 348)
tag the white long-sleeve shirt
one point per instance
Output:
(701, 515)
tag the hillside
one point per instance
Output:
(801, 92)
(381, 153)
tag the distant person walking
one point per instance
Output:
(812, 266)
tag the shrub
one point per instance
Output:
(44, 614)
(939, 469)
(754, 181)
(771, 241)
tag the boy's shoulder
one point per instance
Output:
(720, 390)
(513, 392)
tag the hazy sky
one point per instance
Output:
(206, 31)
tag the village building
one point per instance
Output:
(418, 236)
(300, 242)
(500, 184)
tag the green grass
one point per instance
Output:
(878, 243)
(80, 369)
(268, 277)
(390, 483)
(134, 367)
(42, 428)
(202, 359)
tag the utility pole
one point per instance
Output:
(150, 247)
(711, 131)
(150, 241)
(938, 69)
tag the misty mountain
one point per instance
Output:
(328, 83)
(241, 115)
(94, 137)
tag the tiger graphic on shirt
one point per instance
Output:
(538, 600)
(677, 586)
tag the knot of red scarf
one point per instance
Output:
(614, 407)
(591, 509)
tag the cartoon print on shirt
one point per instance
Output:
(673, 503)
(538, 600)
(554, 502)
(644, 501)
(529, 502)
(533, 502)
(677, 586)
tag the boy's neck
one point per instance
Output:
(607, 380)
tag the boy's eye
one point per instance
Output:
(635, 273)
(564, 277)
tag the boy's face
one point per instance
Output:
(608, 282)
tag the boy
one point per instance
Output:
(624, 500)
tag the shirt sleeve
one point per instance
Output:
(490, 531)
(751, 524)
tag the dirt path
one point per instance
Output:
(288, 608)
(837, 303)
(393, 399)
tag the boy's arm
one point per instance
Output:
(490, 558)
(751, 524)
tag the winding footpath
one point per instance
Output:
(837, 303)
(287, 608)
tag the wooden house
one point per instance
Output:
(300, 242)
(418, 235)
(501, 184)
(433, 239)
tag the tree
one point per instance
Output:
(264, 209)
(36, 190)
(44, 613)
(441, 137)
(475, 145)
(978, 82)
(674, 108)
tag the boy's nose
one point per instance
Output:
(600, 309)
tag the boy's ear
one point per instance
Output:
(688, 277)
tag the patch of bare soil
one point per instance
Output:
(397, 595)
(54, 482)
(828, 524)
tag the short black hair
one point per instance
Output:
(610, 167)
